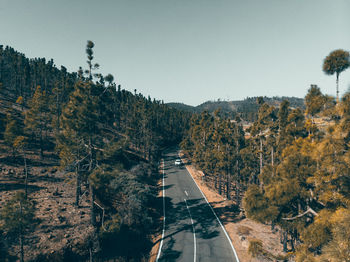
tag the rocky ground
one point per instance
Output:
(59, 226)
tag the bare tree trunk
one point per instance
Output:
(91, 188)
(26, 176)
(57, 113)
(337, 87)
(92, 206)
(41, 145)
(228, 183)
(260, 156)
(77, 186)
(261, 163)
(292, 241)
(272, 156)
(21, 236)
(237, 193)
(285, 244)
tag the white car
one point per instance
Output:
(178, 162)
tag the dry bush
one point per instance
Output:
(256, 248)
(243, 230)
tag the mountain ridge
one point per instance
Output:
(247, 108)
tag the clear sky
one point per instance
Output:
(188, 51)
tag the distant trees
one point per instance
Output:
(294, 173)
(335, 63)
(20, 76)
(215, 145)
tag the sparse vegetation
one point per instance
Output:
(292, 171)
(243, 230)
(80, 132)
(106, 143)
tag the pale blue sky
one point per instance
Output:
(188, 51)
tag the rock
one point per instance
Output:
(242, 238)
(245, 244)
(56, 193)
(64, 241)
(61, 219)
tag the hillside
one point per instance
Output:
(291, 173)
(247, 109)
(78, 158)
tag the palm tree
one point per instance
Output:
(336, 62)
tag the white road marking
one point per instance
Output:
(186, 193)
(223, 228)
(161, 242)
(194, 232)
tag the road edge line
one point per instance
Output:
(194, 232)
(161, 242)
(223, 228)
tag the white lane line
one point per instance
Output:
(161, 242)
(223, 228)
(186, 193)
(194, 232)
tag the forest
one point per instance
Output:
(291, 172)
(289, 168)
(101, 141)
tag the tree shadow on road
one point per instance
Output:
(178, 220)
(169, 254)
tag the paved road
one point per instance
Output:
(191, 232)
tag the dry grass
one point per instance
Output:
(243, 230)
(59, 222)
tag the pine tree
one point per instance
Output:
(13, 129)
(314, 101)
(17, 217)
(338, 249)
(80, 141)
(79, 136)
(20, 144)
(38, 118)
(335, 63)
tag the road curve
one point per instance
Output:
(192, 231)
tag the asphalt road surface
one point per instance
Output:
(192, 231)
